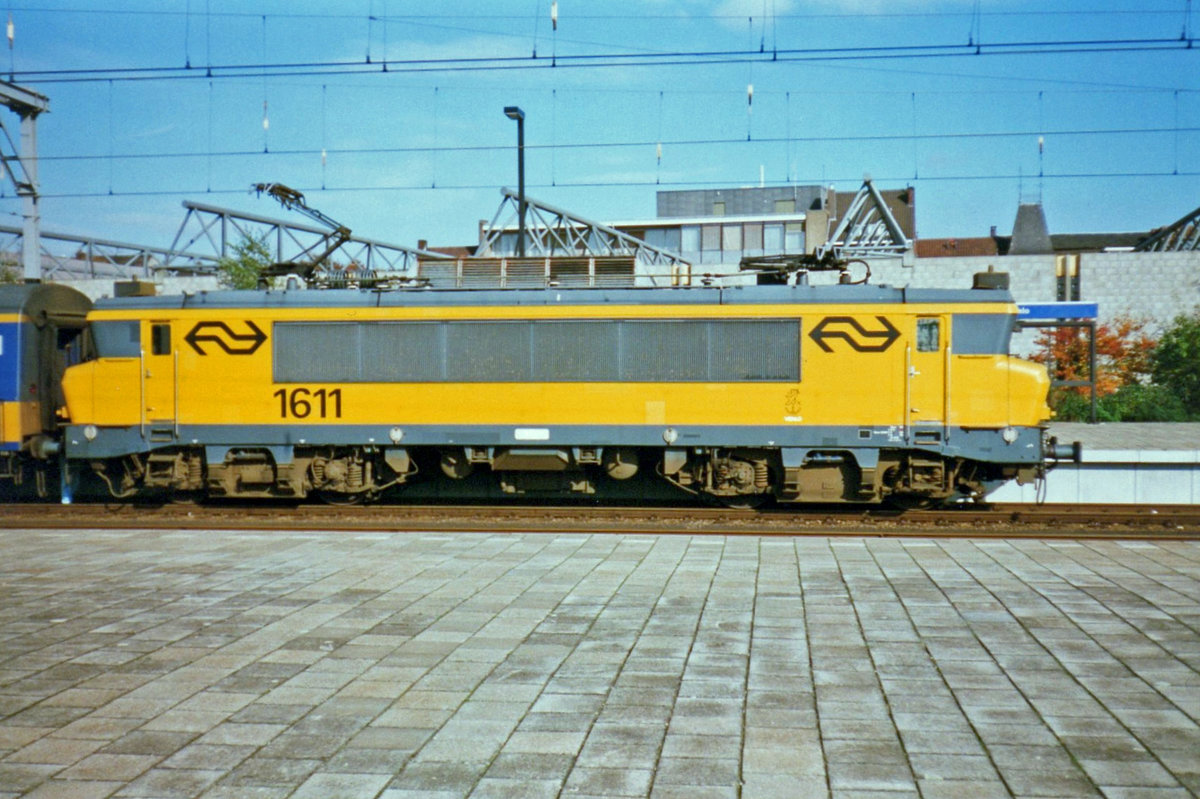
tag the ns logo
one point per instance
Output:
(225, 337)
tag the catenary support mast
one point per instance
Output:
(21, 167)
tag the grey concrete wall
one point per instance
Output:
(97, 288)
(1155, 286)
(1031, 276)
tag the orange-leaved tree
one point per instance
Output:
(1124, 353)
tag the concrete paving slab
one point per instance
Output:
(220, 664)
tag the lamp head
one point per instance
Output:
(512, 112)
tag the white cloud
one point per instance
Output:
(161, 130)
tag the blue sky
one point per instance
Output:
(420, 151)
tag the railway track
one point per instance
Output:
(1071, 521)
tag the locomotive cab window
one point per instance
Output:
(117, 339)
(160, 339)
(929, 338)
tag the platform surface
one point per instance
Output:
(1130, 435)
(325, 665)
(1122, 463)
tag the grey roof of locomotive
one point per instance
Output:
(697, 295)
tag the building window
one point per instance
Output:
(754, 237)
(718, 208)
(731, 239)
(785, 206)
(772, 239)
(669, 238)
(794, 237)
(689, 238)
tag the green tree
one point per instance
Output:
(9, 273)
(243, 269)
(1176, 363)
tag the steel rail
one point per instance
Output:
(1044, 521)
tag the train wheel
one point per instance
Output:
(339, 498)
(188, 497)
(909, 501)
(741, 501)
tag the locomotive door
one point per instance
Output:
(159, 381)
(927, 379)
(61, 346)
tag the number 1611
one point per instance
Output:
(300, 403)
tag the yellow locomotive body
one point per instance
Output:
(830, 393)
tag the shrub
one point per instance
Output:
(1132, 403)
(1176, 362)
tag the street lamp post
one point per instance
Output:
(512, 112)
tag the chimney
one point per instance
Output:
(1031, 235)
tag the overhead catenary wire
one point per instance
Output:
(823, 180)
(1164, 11)
(349, 145)
(606, 60)
(637, 143)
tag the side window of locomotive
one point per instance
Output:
(929, 337)
(117, 339)
(160, 339)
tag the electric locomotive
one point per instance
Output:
(41, 333)
(831, 393)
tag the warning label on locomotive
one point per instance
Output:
(848, 329)
(225, 337)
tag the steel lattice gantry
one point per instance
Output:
(216, 230)
(65, 256)
(552, 232)
(868, 228)
(21, 167)
(1184, 235)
